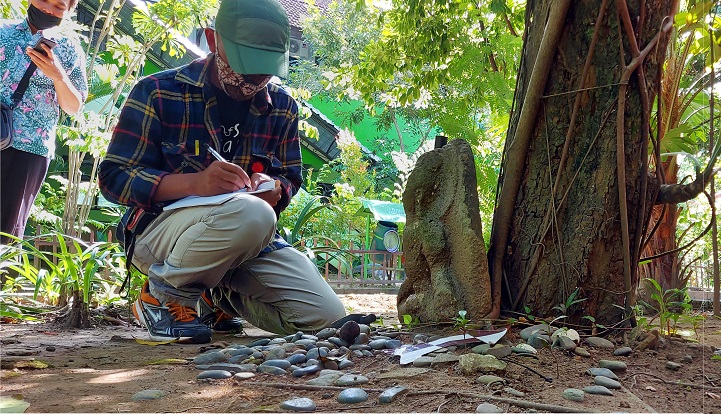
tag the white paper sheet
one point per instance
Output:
(192, 201)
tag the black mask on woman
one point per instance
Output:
(41, 20)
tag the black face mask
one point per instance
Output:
(41, 20)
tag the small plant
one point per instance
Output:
(529, 313)
(410, 321)
(571, 300)
(461, 321)
(594, 326)
(672, 303)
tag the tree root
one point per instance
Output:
(639, 400)
(682, 384)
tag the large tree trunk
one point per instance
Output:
(565, 230)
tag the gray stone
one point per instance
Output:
(210, 358)
(259, 342)
(148, 395)
(238, 351)
(337, 341)
(444, 359)
(393, 344)
(346, 363)
(523, 349)
(599, 342)
(280, 363)
(613, 365)
(607, 382)
(298, 404)
(472, 363)
(361, 347)
(313, 353)
(539, 340)
(390, 394)
(499, 351)
(232, 368)
(277, 352)
(528, 331)
(330, 364)
(296, 359)
(277, 341)
(673, 366)
(490, 379)
(582, 352)
(598, 389)
(573, 394)
(324, 380)
(623, 351)
(514, 392)
(243, 376)
(441, 199)
(604, 372)
(361, 339)
(272, 370)
(305, 343)
(351, 379)
(488, 408)
(481, 349)
(326, 344)
(687, 359)
(424, 361)
(565, 343)
(214, 374)
(378, 343)
(352, 396)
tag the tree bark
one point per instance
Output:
(581, 244)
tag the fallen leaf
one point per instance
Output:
(713, 396)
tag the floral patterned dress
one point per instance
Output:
(37, 114)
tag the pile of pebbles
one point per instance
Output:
(328, 353)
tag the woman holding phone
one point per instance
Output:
(59, 82)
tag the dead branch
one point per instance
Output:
(679, 383)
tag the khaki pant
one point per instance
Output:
(189, 250)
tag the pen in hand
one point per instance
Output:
(219, 157)
(215, 153)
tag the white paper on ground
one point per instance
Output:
(192, 201)
(411, 353)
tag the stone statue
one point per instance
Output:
(445, 256)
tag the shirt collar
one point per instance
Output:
(197, 73)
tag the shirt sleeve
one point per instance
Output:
(77, 74)
(132, 168)
(289, 154)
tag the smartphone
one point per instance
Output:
(49, 43)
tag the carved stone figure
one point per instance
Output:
(445, 256)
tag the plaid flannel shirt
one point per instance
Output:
(168, 114)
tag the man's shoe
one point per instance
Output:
(215, 318)
(168, 321)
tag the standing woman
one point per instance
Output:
(58, 82)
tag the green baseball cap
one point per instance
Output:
(256, 36)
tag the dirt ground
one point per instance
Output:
(99, 370)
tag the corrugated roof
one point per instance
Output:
(296, 9)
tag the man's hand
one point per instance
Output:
(272, 197)
(69, 98)
(220, 178)
(47, 63)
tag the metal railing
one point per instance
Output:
(372, 271)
